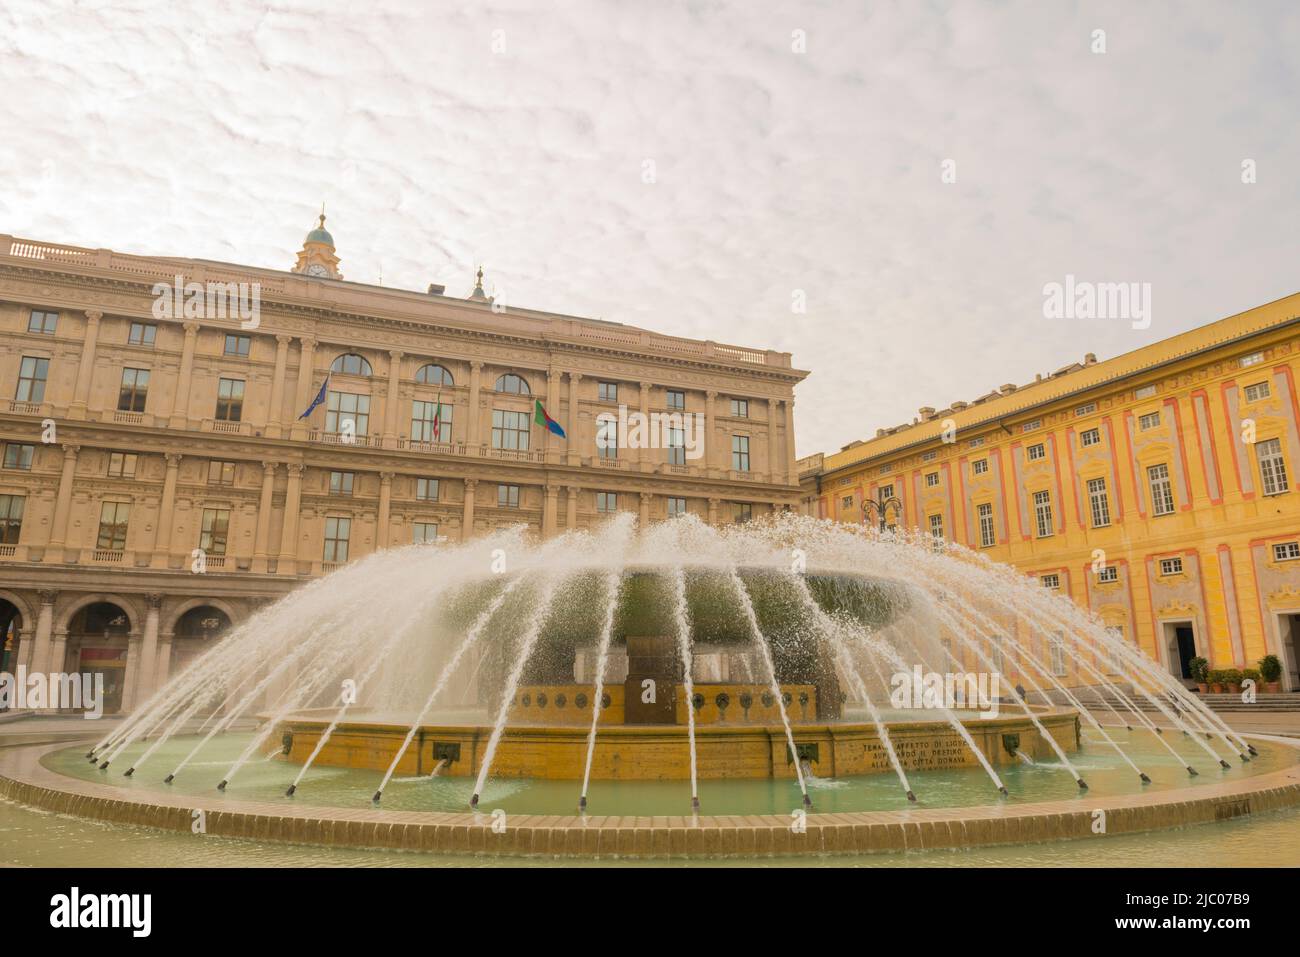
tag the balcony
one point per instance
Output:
(342, 438)
(107, 556)
(26, 408)
(128, 418)
(230, 428)
(7, 551)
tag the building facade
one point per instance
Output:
(1157, 489)
(158, 484)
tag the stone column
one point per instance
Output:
(288, 560)
(571, 513)
(467, 517)
(391, 399)
(42, 650)
(645, 455)
(306, 388)
(643, 516)
(776, 467)
(275, 418)
(710, 432)
(143, 679)
(792, 470)
(385, 507)
(163, 666)
(262, 537)
(551, 442)
(86, 369)
(63, 504)
(573, 446)
(472, 423)
(162, 536)
(180, 417)
(59, 650)
(550, 511)
(713, 510)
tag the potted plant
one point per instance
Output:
(1270, 669)
(1216, 681)
(1200, 669)
(1232, 680)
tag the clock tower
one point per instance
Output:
(316, 258)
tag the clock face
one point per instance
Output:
(317, 270)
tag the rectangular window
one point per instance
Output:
(42, 323)
(931, 479)
(431, 421)
(1286, 551)
(342, 408)
(230, 400)
(988, 535)
(113, 518)
(426, 489)
(1043, 513)
(1108, 574)
(1149, 421)
(975, 443)
(740, 453)
(936, 527)
(675, 399)
(676, 507)
(32, 373)
(929, 456)
(1256, 391)
(741, 512)
(979, 467)
(1036, 452)
(1086, 409)
(11, 518)
(1098, 502)
(676, 447)
(1254, 359)
(1052, 581)
(121, 465)
(1162, 490)
(1146, 392)
(1057, 648)
(141, 334)
(846, 501)
(221, 473)
(337, 532)
(424, 533)
(1089, 437)
(607, 391)
(510, 430)
(1272, 467)
(1171, 566)
(134, 391)
(341, 482)
(1031, 426)
(216, 531)
(19, 456)
(740, 408)
(237, 345)
(606, 502)
(507, 496)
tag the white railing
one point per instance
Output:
(109, 555)
(7, 551)
(231, 428)
(130, 418)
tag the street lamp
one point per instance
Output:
(881, 506)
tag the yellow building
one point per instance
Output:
(1156, 489)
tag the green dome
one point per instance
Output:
(320, 234)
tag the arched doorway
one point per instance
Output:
(196, 632)
(11, 626)
(97, 644)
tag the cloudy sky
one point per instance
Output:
(691, 167)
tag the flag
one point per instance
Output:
(541, 418)
(320, 397)
(437, 417)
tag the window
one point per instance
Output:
(342, 408)
(1031, 426)
(121, 465)
(507, 496)
(19, 456)
(740, 453)
(141, 334)
(1256, 391)
(426, 489)
(976, 442)
(1282, 551)
(931, 479)
(1149, 421)
(1146, 392)
(1108, 574)
(1043, 513)
(509, 430)
(337, 532)
(351, 364)
(936, 527)
(886, 492)
(1036, 452)
(979, 467)
(424, 533)
(135, 389)
(929, 456)
(113, 518)
(237, 346)
(676, 447)
(1162, 491)
(1254, 359)
(11, 518)
(1086, 409)
(607, 437)
(607, 391)
(1171, 566)
(1098, 502)
(32, 373)
(675, 399)
(1089, 437)
(433, 374)
(1272, 467)
(846, 501)
(741, 512)
(42, 323)
(606, 502)
(677, 506)
(1056, 646)
(1052, 581)
(988, 535)
(740, 408)
(431, 421)
(341, 482)
(221, 473)
(884, 469)
(230, 400)
(216, 531)
(512, 384)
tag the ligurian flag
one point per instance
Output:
(541, 418)
(320, 397)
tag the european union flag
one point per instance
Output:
(320, 397)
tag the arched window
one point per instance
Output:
(434, 374)
(513, 384)
(351, 364)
